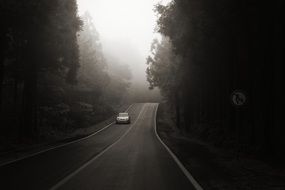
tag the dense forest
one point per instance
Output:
(208, 50)
(53, 76)
(204, 99)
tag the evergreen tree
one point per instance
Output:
(43, 36)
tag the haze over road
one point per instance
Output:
(121, 157)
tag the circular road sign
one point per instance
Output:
(238, 98)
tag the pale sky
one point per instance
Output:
(132, 21)
(126, 29)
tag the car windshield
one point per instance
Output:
(123, 114)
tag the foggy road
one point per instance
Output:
(125, 157)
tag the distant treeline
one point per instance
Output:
(209, 50)
(53, 73)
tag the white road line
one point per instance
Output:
(59, 146)
(67, 178)
(184, 170)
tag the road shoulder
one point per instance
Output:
(214, 168)
(22, 151)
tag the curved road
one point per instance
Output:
(121, 157)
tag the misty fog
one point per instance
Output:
(126, 29)
(142, 94)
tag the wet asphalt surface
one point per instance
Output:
(121, 157)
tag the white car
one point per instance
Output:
(123, 118)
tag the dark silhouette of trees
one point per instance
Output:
(54, 76)
(225, 46)
(39, 36)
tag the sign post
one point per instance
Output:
(238, 100)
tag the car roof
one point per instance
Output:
(123, 113)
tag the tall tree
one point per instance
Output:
(224, 46)
(162, 72)
(93, 71)
(44, 33)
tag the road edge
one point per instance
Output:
(196, 185)
(68, 177)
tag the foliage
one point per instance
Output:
(92, 62)
(221, 46)
(41, 41)
(54, 75)
(163, 66)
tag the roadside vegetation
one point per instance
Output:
(54, 77)
(215, 167)
(210, 49)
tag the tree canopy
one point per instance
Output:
(222, 46)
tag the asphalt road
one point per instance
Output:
(121, 157)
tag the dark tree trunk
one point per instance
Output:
(1, 80)
(187, 111)
(177, 109)
(28, 128)
(2, 58)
